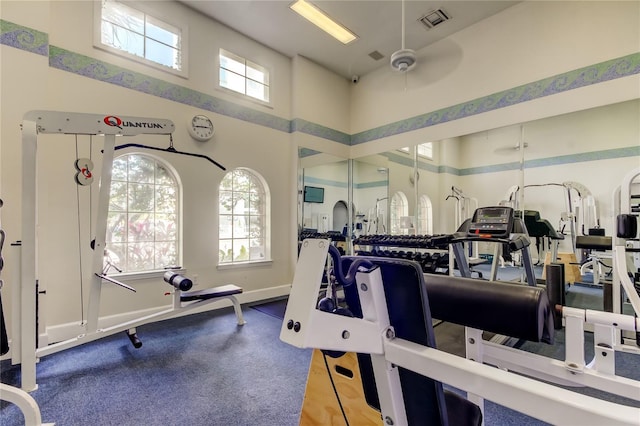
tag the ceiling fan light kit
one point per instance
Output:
(403, 60)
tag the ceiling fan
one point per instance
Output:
(403, 60)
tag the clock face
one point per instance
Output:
(201, 128)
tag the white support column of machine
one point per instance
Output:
(44, 122)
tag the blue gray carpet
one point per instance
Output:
(197, 370)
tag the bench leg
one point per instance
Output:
(237, 309)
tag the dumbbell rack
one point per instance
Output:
(430, 251)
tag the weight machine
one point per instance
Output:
(625, 247)
(391, 304)
(25, 349)
(581, 212)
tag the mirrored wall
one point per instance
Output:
(565, 167)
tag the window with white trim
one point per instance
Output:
(426, 216)
(243, 76)
(243, 208)
(425, 150)
(398, 208)
(137, 35)
(143, 224)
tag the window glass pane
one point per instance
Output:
(141, 169)
(426, 150)
(236, 65)
(123, 16)
(241, 181)
(256, 204)
(116, 254)
(141, 227)
(132, 31)
(165, 255)
(240, 203)
(240, 226)
(256, 226)
(257, 73)
(165, 227)
(227, 182)
(166, 200)
(225, 254)
(118, 197)
(257, 251)
(225, 227)
(163, 176)
(116, 227)
(161, 32)
(162, 54)
(256, 90)
(231, 81)
(119, 169)
(123, 39)
(240, 250)
(226, 202)
(141, 197)
(142, 224)
(140, 257)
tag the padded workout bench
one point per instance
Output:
(216, 293)
(183, 298)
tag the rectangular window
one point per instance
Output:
(137, 35)
(425, 150)
(243, 76)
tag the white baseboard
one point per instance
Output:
(61, 332)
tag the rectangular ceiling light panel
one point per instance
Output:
(322, 21)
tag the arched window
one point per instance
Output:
(398, 207)
(243, 218)
(143, 223)
(426, 216)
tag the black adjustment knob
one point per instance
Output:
(296, 326)
(290, 324)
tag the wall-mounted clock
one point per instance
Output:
(201, 128)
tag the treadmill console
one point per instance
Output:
(491, 222)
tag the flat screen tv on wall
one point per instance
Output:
(313, 194)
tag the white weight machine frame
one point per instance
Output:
(373, 334)
(621, 281)
(580, 203)
(24, 348)
(25, 403)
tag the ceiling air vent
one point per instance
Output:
(376, 56)
(434, 18)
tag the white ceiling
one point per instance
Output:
(377, 23)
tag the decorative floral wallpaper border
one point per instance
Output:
(34, 41)
(593, 74)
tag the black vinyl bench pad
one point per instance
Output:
(593, 242)
(211, 293)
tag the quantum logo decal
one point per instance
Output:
(113, 121)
